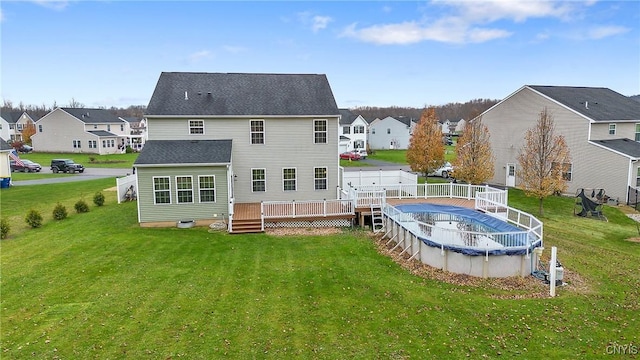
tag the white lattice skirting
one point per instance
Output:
(313, 223)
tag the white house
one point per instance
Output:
(391, 133)
(352, 131)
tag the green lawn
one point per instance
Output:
(99, 161)
(357, 163)
(96, 285)
(400, 156)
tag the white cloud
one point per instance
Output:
(466, 22)
(53, 4)
(320, 23)
(601, 32)
(315, 22)
(200, 55)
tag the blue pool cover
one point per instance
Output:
(496, 225)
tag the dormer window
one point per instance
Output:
(196, 127)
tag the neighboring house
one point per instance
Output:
(137, 132)
(81, 130)
(391, 133)
(12, 123)
(220, 139)
(459, 128)
(447, 126)
(5, 163)
(352, 131)
(601, 128)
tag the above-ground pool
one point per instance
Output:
(462, 240)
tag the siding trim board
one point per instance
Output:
(171, 165)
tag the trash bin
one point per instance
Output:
(5, 182)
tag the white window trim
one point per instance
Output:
(251, 132)
(179, 190)
(612, 127)
(326, 178)
(189, 127)
(252, 180)
(355, 129)
(326, 131)
(295, 179)
(215, 193)
(153, 186)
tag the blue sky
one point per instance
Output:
(408, 53)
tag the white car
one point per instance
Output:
(444, 172)
(362, 152)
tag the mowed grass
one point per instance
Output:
(400, 156)
(96, 285)
(100, 161)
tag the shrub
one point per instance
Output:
(81, 206)
(98, 199)
(4, 228)
(59, 212)
(128, 150)
(33, 218)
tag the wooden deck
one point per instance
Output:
(246, 211)
(440, 201)
(251, 211)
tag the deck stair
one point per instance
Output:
(246, 226)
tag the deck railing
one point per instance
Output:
(516, 217)
(310, 208)
(365, 194)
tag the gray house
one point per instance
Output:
(220, 139)
(601, 128)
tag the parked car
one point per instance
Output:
(28, 166)
(448, 141)
(65, 165)
(349, 155)
(445, 171)
(362, 152)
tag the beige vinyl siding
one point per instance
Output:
(150, 212)
(59, 129)
(289, 143)
(600, 130)
(602, 168)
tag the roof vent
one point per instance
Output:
(186, 96)
(586, 105)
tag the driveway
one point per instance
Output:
(88, 174)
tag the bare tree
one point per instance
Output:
(474, 159)
(426, 151)
(73, 103)
(543, 160)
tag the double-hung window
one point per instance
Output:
(346, 129)
(289, 179)
(257, 131)
(565, 168)
(184, 189)
(637, 132)
(612, 129)
(207, 187)
(76, 144)
(161, 190)
(320, 131)
(258, 180)
(196, 127)
(320, 178)
(358, 129)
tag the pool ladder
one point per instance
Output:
(377, 223)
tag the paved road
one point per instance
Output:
(88, 174)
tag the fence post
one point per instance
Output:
(469, 191)
(293, 208)
(552, 271)
(324, 202)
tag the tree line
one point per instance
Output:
(450, 111)
(38, 111)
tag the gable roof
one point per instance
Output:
(5, 146)
(184, 152)
(598, 104)
(625, 146)
(346, 117)
(93, 116)
(238, 94)
(11, 117)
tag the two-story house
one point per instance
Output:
(391, 133)
(601, 128)
(81, 130)
(219, 139)
(12, 123)
(353, 131)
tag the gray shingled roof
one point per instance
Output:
(347, 117)
(102, 133)
(93, 116)
(625, 146)
(4, 146)
(11, 117)
(599, 104)
(164, 152)
(220, 94)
